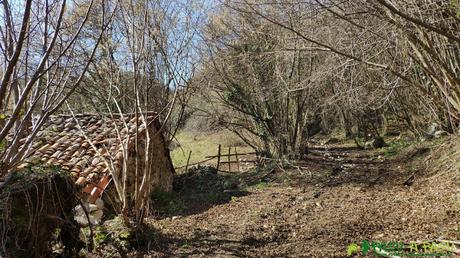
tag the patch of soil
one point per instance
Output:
(317, 208)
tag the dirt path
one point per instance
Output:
(336, 197)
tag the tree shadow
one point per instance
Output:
(337, 165)
(196, 191)
(202, 242)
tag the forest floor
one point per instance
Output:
(339, 195)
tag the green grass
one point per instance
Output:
(257, 186)
(169, 203)
(204, 144)
(100, 236)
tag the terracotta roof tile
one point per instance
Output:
(61, 142)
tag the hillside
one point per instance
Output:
(317, 207)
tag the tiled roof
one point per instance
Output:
(86, 156)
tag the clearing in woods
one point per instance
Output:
(339, 195)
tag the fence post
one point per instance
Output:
(188, 160)
(218, 157)
(237, 160)
(229, 164)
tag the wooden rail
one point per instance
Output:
(234, 154)
(232, 158)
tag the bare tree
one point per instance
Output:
(359, 65)
(144, 64)
(39, 68)
(256, 71)
(427, 29)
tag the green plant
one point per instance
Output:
(176, 206)
(261, 185)
(167, 202)
(113, 234)
(101, 237)
(395, 147)
(125, 235)
(162, 197)
(230, 183)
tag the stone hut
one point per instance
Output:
(90, 146)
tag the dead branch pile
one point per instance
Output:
(35, 206)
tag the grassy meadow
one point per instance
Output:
(204, 144)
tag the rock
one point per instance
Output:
(100, 204)
(95, 213)
(375, 143)
(440, 133)
(369, 145)
(433, 128)
(92, 207)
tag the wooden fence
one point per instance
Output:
(225, 160)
